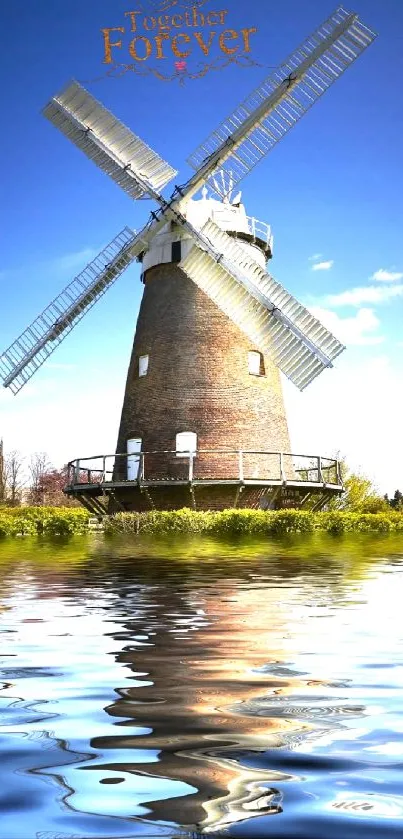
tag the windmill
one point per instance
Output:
(203, 414)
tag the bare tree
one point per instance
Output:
(39, 467)
(2, 475)
(13, 478)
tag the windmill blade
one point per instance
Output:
(132, 164)
(274, 320)
(20, 361)
(252, 131)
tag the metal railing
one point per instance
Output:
(209, 465)
(260, 230)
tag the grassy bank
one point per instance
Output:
(253, 522)
(49, 521)
(60, 521)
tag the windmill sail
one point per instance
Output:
(273, 319)
(130, 162)
(251, 131)
(20, 361)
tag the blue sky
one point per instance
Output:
(331, 189)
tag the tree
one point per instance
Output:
(52, 485)
(2, 475)
(12, 478)
(39, 466)
(396, 502)
(360, 495)
(47, 483)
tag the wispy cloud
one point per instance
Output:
(65, 265)
(384, 276)
(54, 365)
(323, 266)
(352, 331)
(365, 294)
(73, 261)
(315, 257)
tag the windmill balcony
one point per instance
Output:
(256, 231)
(203, 480)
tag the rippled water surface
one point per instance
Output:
(185, 688)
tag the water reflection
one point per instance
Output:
(148, 690)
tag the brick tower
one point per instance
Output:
(195, 381)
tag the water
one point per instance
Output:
(156, 688)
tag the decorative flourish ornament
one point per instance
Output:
(164, 5)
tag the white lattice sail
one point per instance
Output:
(29, 351)
(257, 125)
(104, 139)
(271, 317)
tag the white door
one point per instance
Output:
(133, 462)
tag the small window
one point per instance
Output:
(143, 365)
(176, 252)
(256, 364)
(186, 443)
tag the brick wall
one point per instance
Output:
(198, 380)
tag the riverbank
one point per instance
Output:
(60, 521)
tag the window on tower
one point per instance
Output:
(186, 444)
(256, 364)
(176, 252)
(143, 365)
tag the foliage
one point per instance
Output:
(360, 495)
(270, 522)
(47, 483)
(396, 502)
(32, 521)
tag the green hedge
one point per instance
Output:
(59, 521)
(50, 521)
(253, 522)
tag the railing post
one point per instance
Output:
(241, 471)
(76, 471)
(141, 469)
(103, 469)
(282, 473)
(320, 476)
(191, 456)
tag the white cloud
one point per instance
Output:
(54, 365)
(351, 331)
(65, 264)
(365, 294)
(315, 257)
(77, 260)
(383, 276)
(354, 409)
(323, 266)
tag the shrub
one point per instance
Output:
(59, 521)
(53, 521)
(252, 522)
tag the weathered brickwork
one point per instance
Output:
(198, 380)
